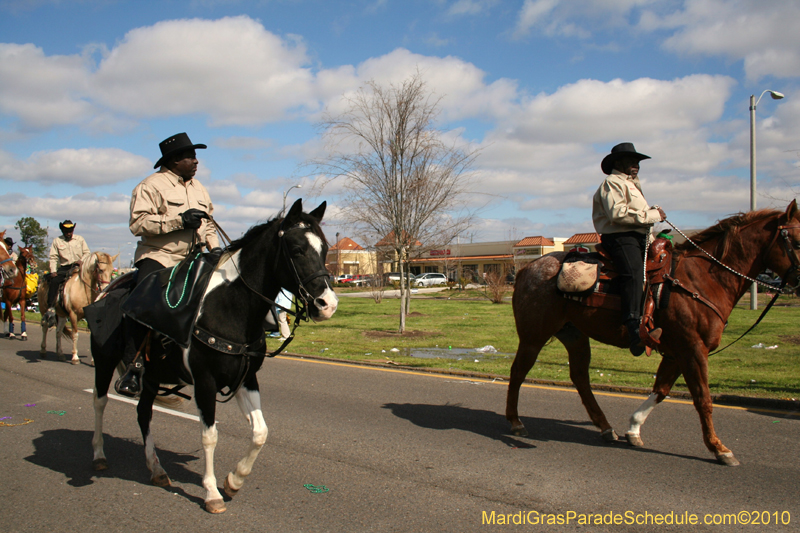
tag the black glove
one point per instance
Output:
(51, 275)
(216, 250)
(192, 218)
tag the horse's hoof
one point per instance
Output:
(727, 459)
(23, 338)
(634, 440)
(216, 506)
(100, 464)
(609, 435)
(12, 336)
(161, 480)
(230, 491)
(75, 361)
(519, 431)
(62, 358)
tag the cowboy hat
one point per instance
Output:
(9, 242)
(622, 149)
(66, 226)
(174, 144)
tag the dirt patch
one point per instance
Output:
(415, 313)
(790, 339)
(409, 334)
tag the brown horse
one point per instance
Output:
(80, 289)
(15, 291)
(747, 243)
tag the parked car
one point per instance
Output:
(429, 279)
(390, 277)
(360, 280)
(343, 278)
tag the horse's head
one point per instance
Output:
(26, 252)
(7, 265)
(784, 255)
(100, 267)
(304, 248)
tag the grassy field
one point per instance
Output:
(444, 330)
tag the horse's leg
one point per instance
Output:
(23, 331)
(205, 398)
(249, 400)
(580, 355)
(73, 320)
(668, 373)
(103, 373)
(527, 353)
(158, 476)
(10, 317)
(61, 323)
(43, 347)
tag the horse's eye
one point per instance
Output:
(296, 250)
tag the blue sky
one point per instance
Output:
(544, 88)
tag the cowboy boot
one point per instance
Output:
(637, 347)
(129, 384)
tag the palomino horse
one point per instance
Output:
(15, 291)
(227, 347)
(747, 243)
(80, 289)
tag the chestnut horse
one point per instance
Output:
(746, 243)
(15, 291)
(80, 289)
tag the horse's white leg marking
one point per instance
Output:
(74, 323)
(250, 404)
(225, 274)
(641, 414)
(153, 464)
(97, 439)
(209, 437)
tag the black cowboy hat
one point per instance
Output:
(9, 242)
(66, 226)
(174, 144)
(618, 151)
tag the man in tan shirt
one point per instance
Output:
(66, 251)
(623, 218)
(169, 211)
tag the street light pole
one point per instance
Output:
(753, 104)
(287, 192)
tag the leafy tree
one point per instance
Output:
(405, 182)
(32, 234)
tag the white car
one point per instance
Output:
(429, 279)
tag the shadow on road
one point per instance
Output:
(494, 426)
(69, 452)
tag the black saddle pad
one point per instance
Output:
(167, 300)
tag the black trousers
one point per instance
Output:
(627, 251)
(55, 282)
(135, 332)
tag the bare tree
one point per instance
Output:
(404, 183)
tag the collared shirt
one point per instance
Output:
(156, 207)
(65, 252)
(619, 205)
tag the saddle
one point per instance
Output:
(603, 293)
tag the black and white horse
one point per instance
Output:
(286, 252)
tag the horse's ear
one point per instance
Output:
(791, 211)
(294, 211)
(319, 212)
(114, 258)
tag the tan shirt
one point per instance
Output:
(64, 252)
(156, 207)
(619, 205)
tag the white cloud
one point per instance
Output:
(470, 7)
(763, 34)
(83, 208)
(42, 91)
(85, 167)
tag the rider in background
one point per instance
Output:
(10, 247)
(65, 253)
(169, 211)
(623, 218)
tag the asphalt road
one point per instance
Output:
(398, 451)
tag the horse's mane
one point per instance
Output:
(726, 232)
(257, 232)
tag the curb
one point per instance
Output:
(719, 399)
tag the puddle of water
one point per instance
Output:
(452, 353)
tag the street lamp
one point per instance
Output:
(753, 103)
(287, 192)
